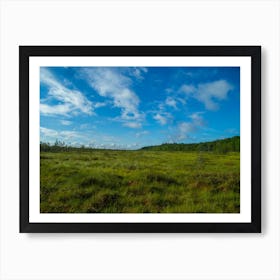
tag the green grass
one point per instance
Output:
(110, 181)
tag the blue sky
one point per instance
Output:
(132, 107)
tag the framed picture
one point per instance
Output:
(140, 138)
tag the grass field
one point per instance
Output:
(109, 181)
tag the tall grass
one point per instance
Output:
(109, 181)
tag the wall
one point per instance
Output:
(139, 256)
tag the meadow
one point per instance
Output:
(142, 181)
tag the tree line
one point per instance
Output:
(219, 146)
(60, 146)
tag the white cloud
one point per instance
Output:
(48, 132)
(67, 83)
(137, 72)
(70, 134)
(143, 69)
(209, 93)
(188, 89)
(99, 104)
(171, 102)
(132, 124)
(73, 101)
(62, 135)
(169, 90)
(61, 109)
(110, 83)
(141, 133)
(161, 118)
(184, 129)
(109, 138)
(197, 119)
(65, 122)
(160, 114)
(182, 100)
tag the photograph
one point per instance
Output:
(140, 139)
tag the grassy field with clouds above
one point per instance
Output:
(111, 113)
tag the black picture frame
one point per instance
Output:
(254, 52)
